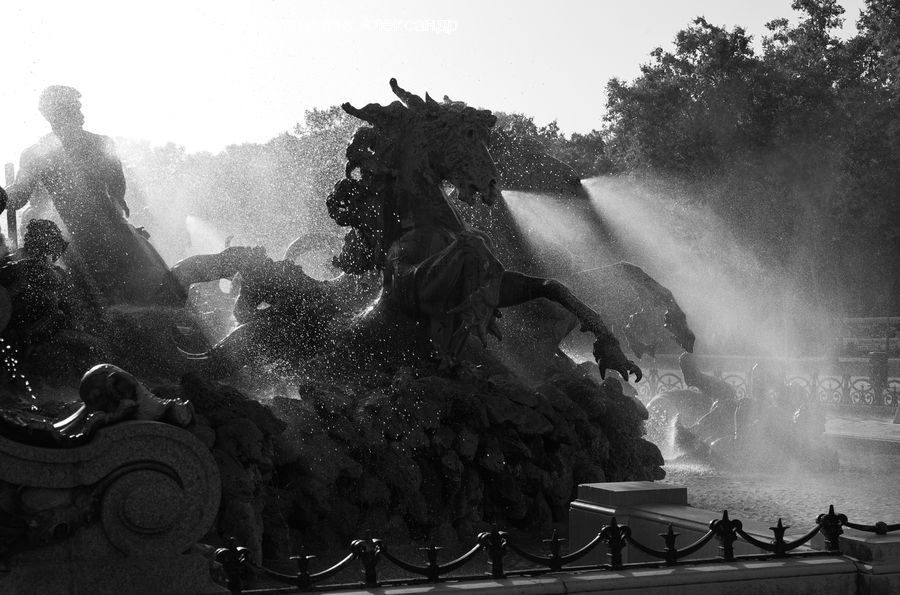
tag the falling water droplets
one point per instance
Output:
(15, 376)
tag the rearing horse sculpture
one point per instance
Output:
(403, 173)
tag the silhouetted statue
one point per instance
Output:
(35, 291)
(84, 179)
(281, 311)
(404, 171)
(43, 317)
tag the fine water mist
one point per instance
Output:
(561, 227)
(257, 194)
(205, 239)
(733, 300)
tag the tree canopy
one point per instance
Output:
(797, 146)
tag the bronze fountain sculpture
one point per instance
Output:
(440, 282)
(404, 171)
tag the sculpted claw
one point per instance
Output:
(609, 356)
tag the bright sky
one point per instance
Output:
(208, 73)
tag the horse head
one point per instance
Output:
(450, 135)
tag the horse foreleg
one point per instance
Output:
(202, 268)
(518, 288)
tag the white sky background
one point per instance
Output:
(209, 73)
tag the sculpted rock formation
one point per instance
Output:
(114, 514)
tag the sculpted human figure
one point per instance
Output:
(280, 310)
(84, 179)
(35, 290)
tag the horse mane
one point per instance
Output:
(411, 105)
(363, 199)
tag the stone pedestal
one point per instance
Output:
(648, 508)
(878, 560)
(114, 516)
(64, 570)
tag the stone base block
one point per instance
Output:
(181, 575)
(648, 508)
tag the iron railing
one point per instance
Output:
(368, 553)
(842, 390)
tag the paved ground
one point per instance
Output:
(866, 487)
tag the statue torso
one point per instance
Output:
(76, 175)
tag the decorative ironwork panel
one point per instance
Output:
(738, 382)
(861, 392)
(892, 392)
(854, 389)
(830, 389)
(646, 388)
(669, 381)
